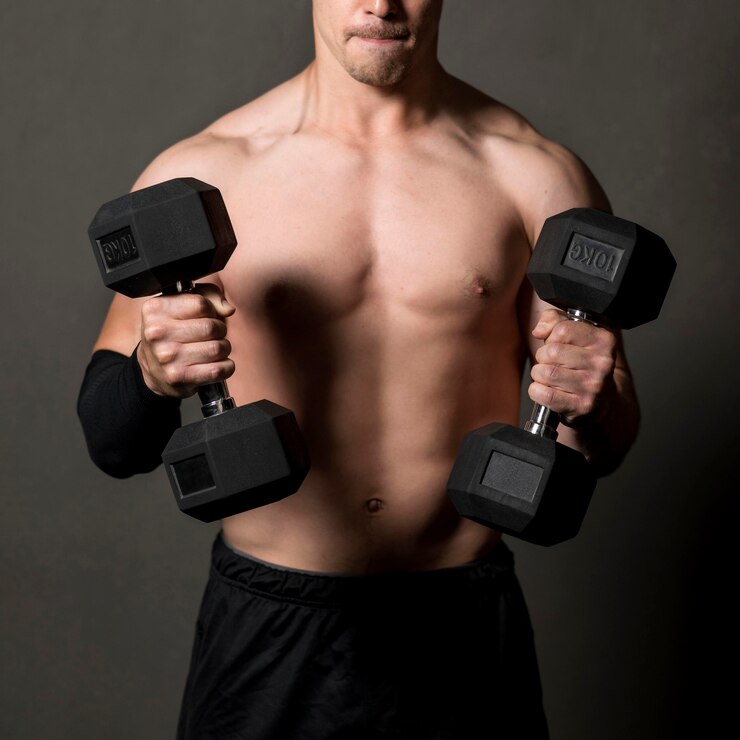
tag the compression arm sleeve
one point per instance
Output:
(126, 425)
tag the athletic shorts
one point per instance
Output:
(287, 654)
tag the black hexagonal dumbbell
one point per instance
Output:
(597, 268)
(159, 240)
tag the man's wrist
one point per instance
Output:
(144, 393)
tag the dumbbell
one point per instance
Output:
(160, 239)
(597, 268)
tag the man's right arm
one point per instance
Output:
(152, 352)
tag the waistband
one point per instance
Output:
(292, 584)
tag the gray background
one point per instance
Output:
(100, 579)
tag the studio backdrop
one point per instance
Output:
(100, 579)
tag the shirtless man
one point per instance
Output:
(385, 213)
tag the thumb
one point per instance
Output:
(215, 296)
(548, 319)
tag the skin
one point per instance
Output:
(385, 213)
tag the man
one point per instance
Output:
(385, 213)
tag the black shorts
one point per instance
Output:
(286, 654)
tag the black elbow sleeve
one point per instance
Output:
(126, 425)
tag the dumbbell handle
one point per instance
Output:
(214, 397)
(543, 421)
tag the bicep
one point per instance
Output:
(556, 181)
(552, 179)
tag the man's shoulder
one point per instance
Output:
(510, 139)
(217, 153)
(542, 176)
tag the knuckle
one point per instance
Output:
(172, 375)
(551, 354)
(561, 332)
(165, 353)
(543, 354)
(152, 332)
(604, 365)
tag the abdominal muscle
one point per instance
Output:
(383, 396)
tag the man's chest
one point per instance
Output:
(414, 232)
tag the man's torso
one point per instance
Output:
(379, 290)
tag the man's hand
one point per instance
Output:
(183, 341)
(574, 370)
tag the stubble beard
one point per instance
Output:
(379, 67)
(381, 73)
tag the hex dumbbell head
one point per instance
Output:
(155, 237)
(522, 484)
(596, 262)
(236, 461)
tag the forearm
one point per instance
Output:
(126, 425)
(606, 436)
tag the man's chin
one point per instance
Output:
(383, 76)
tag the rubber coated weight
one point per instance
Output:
(235, 461)
(611, 268)
(506, 478)
(153, 238)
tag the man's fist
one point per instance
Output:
(183, 341)
(574, 370)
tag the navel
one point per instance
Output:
(374, 505)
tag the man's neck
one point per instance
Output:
(340, 105)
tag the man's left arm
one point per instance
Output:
(578, 370)
(581, 372)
